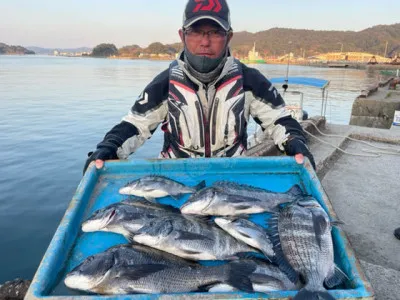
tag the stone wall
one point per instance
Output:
(376, 109)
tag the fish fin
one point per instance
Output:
(177, 196)
(206, 287)
(243, 233)
(295, 191)
(337, 277)
(320, 225)
(152, 203)
(135, 272)
(191, 252)
(239, 276)
(254, 256)
(151, 200)
(243, 206)
(262, 278)
(283, 205)
(305, 294)
(188, 236)
(279, 257)
(200, 186)
(130, 237)
(201, 218)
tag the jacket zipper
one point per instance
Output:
(200, 116)
(206, 123)
(214, 120)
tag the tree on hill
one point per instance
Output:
(6, 49)
(156, 48)
(130, 51)
(104, 50)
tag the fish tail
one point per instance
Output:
(200, 186)
(306, 294)
(238, 276)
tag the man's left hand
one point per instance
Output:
(297, 148)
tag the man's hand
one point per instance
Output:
(99, 156)
(295, 147)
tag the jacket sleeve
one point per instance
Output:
(267, 108)
(149, 110)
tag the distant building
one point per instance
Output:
(361, 57)
(253, 57)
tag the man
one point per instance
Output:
(204, 100)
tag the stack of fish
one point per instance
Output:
(166, 244)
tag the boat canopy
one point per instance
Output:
(310, 81)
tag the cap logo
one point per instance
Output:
(213, 5)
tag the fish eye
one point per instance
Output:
(90, 258)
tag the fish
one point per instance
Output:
(156, 186)
(226, 198)
(190, 238)
(301, 235)
(127, 254)
(265, 278)
(126, 217)
(103, 276)
(249, 233)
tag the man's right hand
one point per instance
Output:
(99, 156)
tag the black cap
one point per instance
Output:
(216, 10)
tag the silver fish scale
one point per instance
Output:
(139, 254)
(179, 238)
(162, 182)
(308, 256)
(269, 199)
(179, 279)
(251, 234)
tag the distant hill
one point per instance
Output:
(277, 41)
(6, 49)
(46, 51)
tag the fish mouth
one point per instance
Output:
(81, 282)
(124, 190)
(96, 225)
(222, 222)
(76, 281)
(185, 208)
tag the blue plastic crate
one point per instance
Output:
(99, 188)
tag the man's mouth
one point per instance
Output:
(205, 54)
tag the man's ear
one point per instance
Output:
(182, 35)
(230, 35)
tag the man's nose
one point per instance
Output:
(205, 39)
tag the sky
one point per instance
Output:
(77, 23)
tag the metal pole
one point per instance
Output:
(326, 103)
(285, 86)
(386, 49)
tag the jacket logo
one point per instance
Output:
(143, 98)
(213, 5)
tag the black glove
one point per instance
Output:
(100, 153)
(296, 146)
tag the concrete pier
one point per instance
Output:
(364, 192)
(375, 107)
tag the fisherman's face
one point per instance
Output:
(205, 38)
